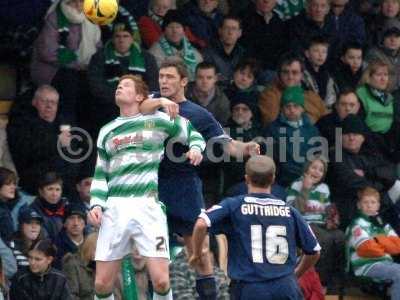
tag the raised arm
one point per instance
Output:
(150, 105)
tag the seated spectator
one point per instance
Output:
(83, 184)
(150, 25)
(33, 137)
(29, 232)
(264, 34)
(244, 80)
(290, 73)
(244, 125)
(225, 53)
(348, 70)
(316, 74)
(359, 166)
(5, 155)
(371, 243)
(203, 18)
(79, 268)
(120, 56)
(8, 197)
(313, 21)
(50, 205)
(381, 112)
(62, 53)
(8, 262)
(183, 277)
(71, 237)
(40, 281)
(311, 197)
(290, 127)
(389, 52)
(205, 92)
(328, 125)
(174, 43)
(124, 17)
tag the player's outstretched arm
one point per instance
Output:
(240, 149)
(306, 262)
(149, 106)
(95, 215)
(199, 234)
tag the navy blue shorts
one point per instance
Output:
(285, 288)
(183, 198)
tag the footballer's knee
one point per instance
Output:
(103, 285)
(161, 284)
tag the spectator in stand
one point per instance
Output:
(121, 55)
(72, 236)
(389, 11)
(311, 197)
(328, 125)
(389, 52)
(295, 128)
(62, 53)
(264, 34)
(50, 205)
(79, 268)
(359, 166)
(349, 27)
(8, 262)
(316, 75)
(203, 18)
(8, 197)
(348, 69)
(183, 277)
(226, 52)
(244, 124)
(313, 21)
(174, 43)
(371, 243)
(83, 184)
(29, 232)
(205, 92)
(244, 79)
(41, 281)
(290, 73)
(380, 110)
(33, 137)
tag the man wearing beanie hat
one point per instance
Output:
(294, 129)
(121, 55)
(72, 234)
(174, 43)
(359, 166)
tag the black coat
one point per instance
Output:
(6, 223)
(49, 286)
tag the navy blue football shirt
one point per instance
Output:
(263, 234)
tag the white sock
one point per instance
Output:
(167, 296)
(109, 297)
(394, 192)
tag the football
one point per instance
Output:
(100, 12)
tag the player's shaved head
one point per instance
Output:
(260, 171)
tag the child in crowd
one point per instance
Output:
(41, 281)
(371, 243)
(316, 75)
(310, 196)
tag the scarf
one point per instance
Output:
(124, 16)
(50, 209)
(189, 56)
(383, 97)
(156, 18)
(90, 34)
(113, 65)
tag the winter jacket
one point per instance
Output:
(289, 167)
(52, 285)
(64, 245)
(328, 125)
(270, 103)
(344, 77)
(80, 277)
(6, 222)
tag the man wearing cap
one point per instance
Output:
(174, 43)
(121, 55)
(292, 133)
(361, 166)
(389, 52)
(72, 234)
(263, 235)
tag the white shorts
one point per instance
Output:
(132, 221)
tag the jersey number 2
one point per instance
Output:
(276, 245)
